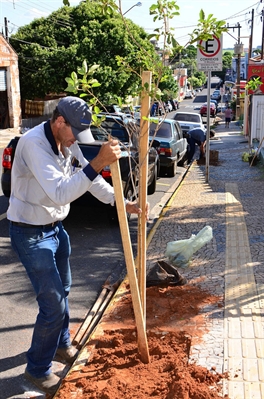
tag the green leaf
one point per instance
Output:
(84, 66)
(97, 110)
(71, 89)
(74, 76)
(69, 80)
(81, 71)
(93, 69)
(201, 15)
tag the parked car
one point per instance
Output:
(127, 111)
(157, 109)
(219, 84)
(127, 132)
(188, 94)
(188, 121)
(137, 109)
(168, 107)
(176, 103)
(203, 110)
(218, 109)
(173, 147)
(216, 95)
(112, 109)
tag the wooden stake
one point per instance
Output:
(143, 183)
(131, 271)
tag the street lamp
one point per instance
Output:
(139, 4)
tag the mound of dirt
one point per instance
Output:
(114, 369)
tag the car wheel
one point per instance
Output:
(172, 169)
(152, 186)
(184, 160)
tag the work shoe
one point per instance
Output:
(48, 384)
(68, 354)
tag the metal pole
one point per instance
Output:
(6, 30)
(251, 35)
(238, 77)
(207, 148)
(262, 40)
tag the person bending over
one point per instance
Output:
(197, 137)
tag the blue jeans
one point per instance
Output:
(45, 252)
(191, 150)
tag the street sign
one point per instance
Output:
(209, 54)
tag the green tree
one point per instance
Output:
(168, 86)
(49, 50)
(227, 63)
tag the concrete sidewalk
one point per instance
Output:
(230, 266)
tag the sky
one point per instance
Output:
(234, 12)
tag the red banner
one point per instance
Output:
(256, 70)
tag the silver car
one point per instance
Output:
(173, 147)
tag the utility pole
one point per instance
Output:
(238, 75)
(251, 35)
(238, 49)
(6, 30)
(262, 40)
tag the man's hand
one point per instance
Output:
(109, 153)
(132, 207)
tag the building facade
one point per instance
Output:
(10, 107)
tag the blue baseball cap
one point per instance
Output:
(77, 113)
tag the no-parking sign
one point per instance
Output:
(209, 54)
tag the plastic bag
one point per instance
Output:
(180, 252)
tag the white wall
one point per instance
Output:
(257, 120)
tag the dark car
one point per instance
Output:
(175, 104)
(126, 132)
(173, 147)
(218, 109)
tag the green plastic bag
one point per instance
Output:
(180, 252)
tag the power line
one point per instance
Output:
(58, 21)
(44, 47)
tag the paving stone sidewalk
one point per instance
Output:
(230, 265)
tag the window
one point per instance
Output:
(2, 79)
(175, 132)
(162, 130)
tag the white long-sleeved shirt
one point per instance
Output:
(44, 181)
